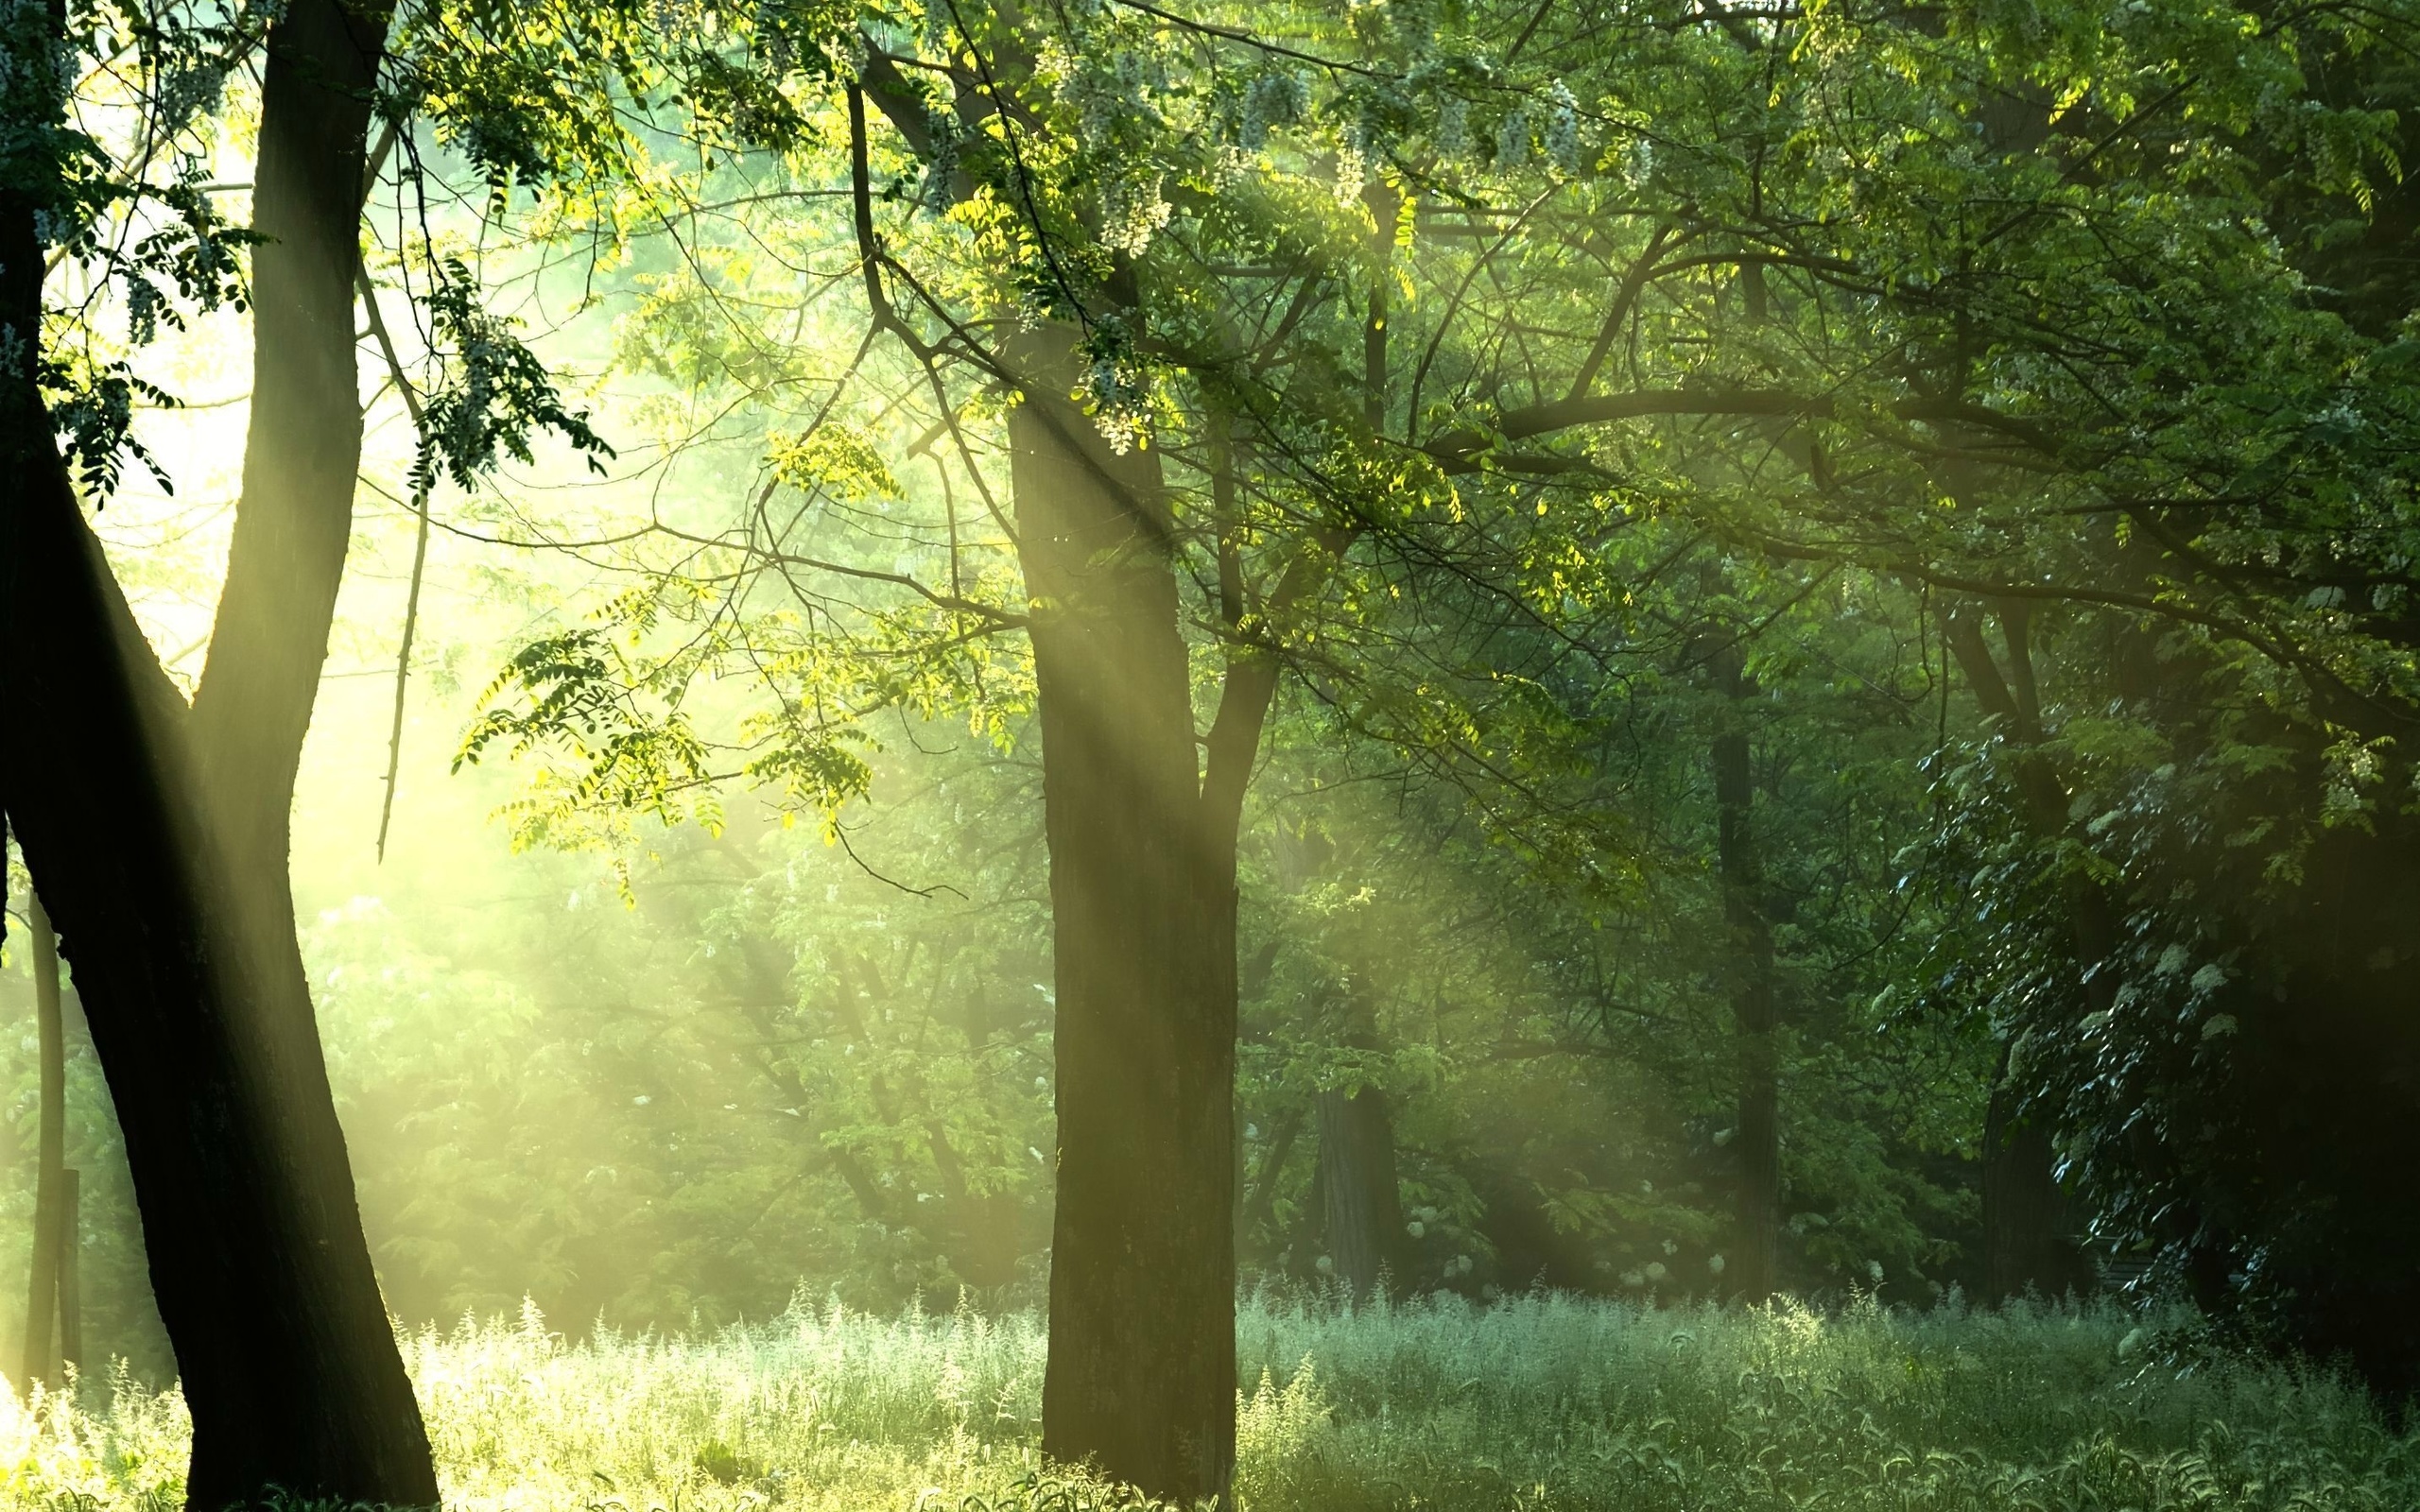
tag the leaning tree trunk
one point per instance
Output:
(289, 1362)
(1749, 964)
(42, 1283)
(263, 1280)
(1140, 1380)
(302, 458)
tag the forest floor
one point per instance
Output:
(1535, 1403)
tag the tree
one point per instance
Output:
(1752, 995)
(179, 920)
(1780, 277)
(1143, 831)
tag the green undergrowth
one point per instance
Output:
(1534, 1403)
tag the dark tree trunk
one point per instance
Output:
(257, 1260)
(70, 1269)
(50, 1159)
(2026, 1219)
(1140, 1380)
(290, 1365)
(1748, 965)
(2025, 1214)
(1261, 1210)
(301, 454)
(301, 459)
(1141, 1375)
(1365, 1213)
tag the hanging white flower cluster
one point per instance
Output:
(1111, 103)
(1132, 212)
(1111, 93)
(1352, 173)
(1119, 397)
(1512, 139)
(1272, 100)
(191, 91)
(1638, 162)
(1116, 391)
(1364, 142)
(1563, 130)
(1453, 126)
(941, 171)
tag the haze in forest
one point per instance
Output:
(1547, 754)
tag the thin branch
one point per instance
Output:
(419, 541)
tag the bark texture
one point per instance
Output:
(1141, 1377)
(268, 642)
(1356, 1178)
(2026, 1246)
(1753, 1006)
(303, 449)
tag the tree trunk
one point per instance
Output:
(1140, 1380)
(1364, 1212)
(1748, 965)
(2025, 1213)
(253, 709)
(263, 1279)
(42, 1290)
(1260, 1210)
(289, 1362)
(301, 452)
(71, 1270)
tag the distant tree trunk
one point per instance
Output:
(257, 1260)
(1142, 846)
(1260, 1210)
(2025, 1212)
(1364, 1211)
(1750, 967)
(41, 1291)
(70, 1269)
(1140, 1379)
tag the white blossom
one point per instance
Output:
(1512, 140)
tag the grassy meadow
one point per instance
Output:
(1535, 1403)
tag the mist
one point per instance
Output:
(1550, 756)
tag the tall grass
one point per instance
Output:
(1536, 1404)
